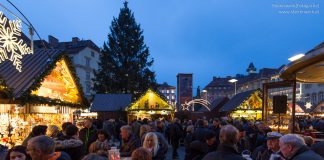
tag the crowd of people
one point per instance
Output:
(217, 139)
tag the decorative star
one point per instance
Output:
(308, 105)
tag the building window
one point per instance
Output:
(88, 76)
(172, 97)
(307, 98)
(88, 87)
(172, 91)
(307, 86)
(87, 61)
(314, 95)
(92, 54)
(167, 91)
(168, 97)
(320, 96)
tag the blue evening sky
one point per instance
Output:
(204, 37)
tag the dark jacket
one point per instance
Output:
(71, 146)
(129, 146)
(3, 152)
(318, 148)
(197, 150)
(200, 134)
(305, 154)
(224, 152)
(87, 136)
(257, 152)
(163, 147)
(175, 131)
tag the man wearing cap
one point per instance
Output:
(272, 145)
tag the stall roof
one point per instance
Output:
(308, 69)
(216, 104)
(110, 102)
(235, 101)
(34, 65)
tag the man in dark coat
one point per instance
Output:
(226, 150)
(216, 128)
(43, 148)
(200, 133)
(175, 132)
(129, 141)
(88, 135)
(70, 143)
(293, 147)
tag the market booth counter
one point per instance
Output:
(246, 105)
(45, 92)
(150, 105)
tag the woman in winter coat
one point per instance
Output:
(151, 143)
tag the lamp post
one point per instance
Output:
(233, 81)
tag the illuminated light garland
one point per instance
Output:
(203, 102)
(12, 47)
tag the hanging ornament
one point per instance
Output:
(12, 47)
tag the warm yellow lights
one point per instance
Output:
(150, 101)
(59, 85)
(12, 47)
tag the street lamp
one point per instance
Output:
(233, 81)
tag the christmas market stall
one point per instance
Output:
(150, 105)
(45, 91)
(246, 105)
(308, 68)
(111, 106)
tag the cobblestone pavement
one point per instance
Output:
(181, 153)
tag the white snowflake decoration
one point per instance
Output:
(11, 46)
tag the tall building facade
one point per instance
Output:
(184, 88)
(168, 92)
(85, 57)
(221, 87)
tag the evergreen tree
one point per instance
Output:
(124, 65)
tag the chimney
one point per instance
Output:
(53, 41)
(75, 39)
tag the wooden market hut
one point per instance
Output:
(246, 105)
(46, 91)
(151, 105)
(111, 106)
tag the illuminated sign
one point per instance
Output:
(12, 46)
(43, 109)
